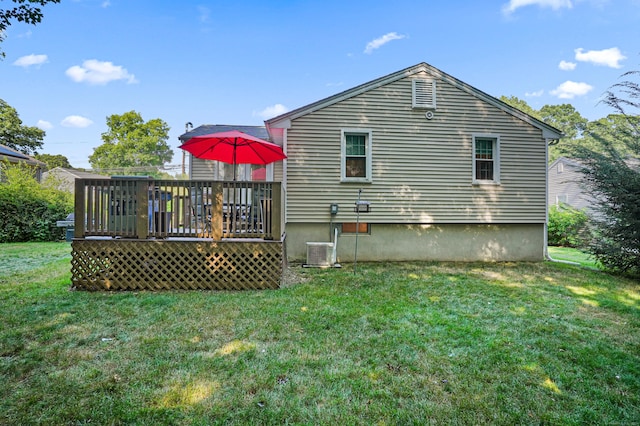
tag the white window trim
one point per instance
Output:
(562, 199)
(343, 154)
(496, 159)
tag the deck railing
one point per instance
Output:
(144, 208)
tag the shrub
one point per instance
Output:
(568, 227)
(29, 210)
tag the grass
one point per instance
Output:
(396, 343)
(573, 255)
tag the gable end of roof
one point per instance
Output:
(284, 120)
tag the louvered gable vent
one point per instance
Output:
(424, 93)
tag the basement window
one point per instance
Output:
(350, 228)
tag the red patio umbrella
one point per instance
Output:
(234, 147)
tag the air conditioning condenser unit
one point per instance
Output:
(319, 255)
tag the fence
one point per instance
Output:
(144, 208)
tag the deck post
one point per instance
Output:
(276, 202)
(79, 210)
(142, 208)
(216, 211)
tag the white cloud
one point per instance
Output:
(535, 94)
(272, 111)
(571, 89)
(553, 4)
(44, 125)
(29, 60)
(76, 121)
(105, 4)
(97, 72)
(567, 66)
(381, 41)
(606, 57)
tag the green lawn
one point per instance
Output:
(573, 255)
(396, 343)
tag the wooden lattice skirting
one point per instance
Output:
(120, 264)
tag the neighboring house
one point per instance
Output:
(450, 172)
(65, 178)
(566, 186)
(15, 157)
(204, 169)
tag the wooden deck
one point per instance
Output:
(144, 234)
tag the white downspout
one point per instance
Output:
(546, 199)
(284, 177)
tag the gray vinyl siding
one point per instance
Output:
(422, 169)
(205, 169)
(568, 183)
(202, 169)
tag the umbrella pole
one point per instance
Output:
(235, 166)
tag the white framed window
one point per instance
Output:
(561, 199)
(560, 167)
(355, 164)
(423, 93)
(486, 159)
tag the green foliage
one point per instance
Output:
(613, 177)
(622, 132)
(564, 118)
(29, 210)
(568, 227)
(132, 144)
(13, 134)
(522, 105)
(53, 161)
(616, 186)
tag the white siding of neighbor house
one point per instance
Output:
(422, 169)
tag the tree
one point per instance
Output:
(614, 181)
(132, 145)
(521, 105)
(53, 161)
(622, 130)
(566, 119)
(13, 134)
(563, 117)
(24, 12)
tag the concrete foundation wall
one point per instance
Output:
(447, 242)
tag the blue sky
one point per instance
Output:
(240, 62)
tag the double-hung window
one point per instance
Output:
(356, 155)
(486, 159)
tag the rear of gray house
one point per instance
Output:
(449, 172)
